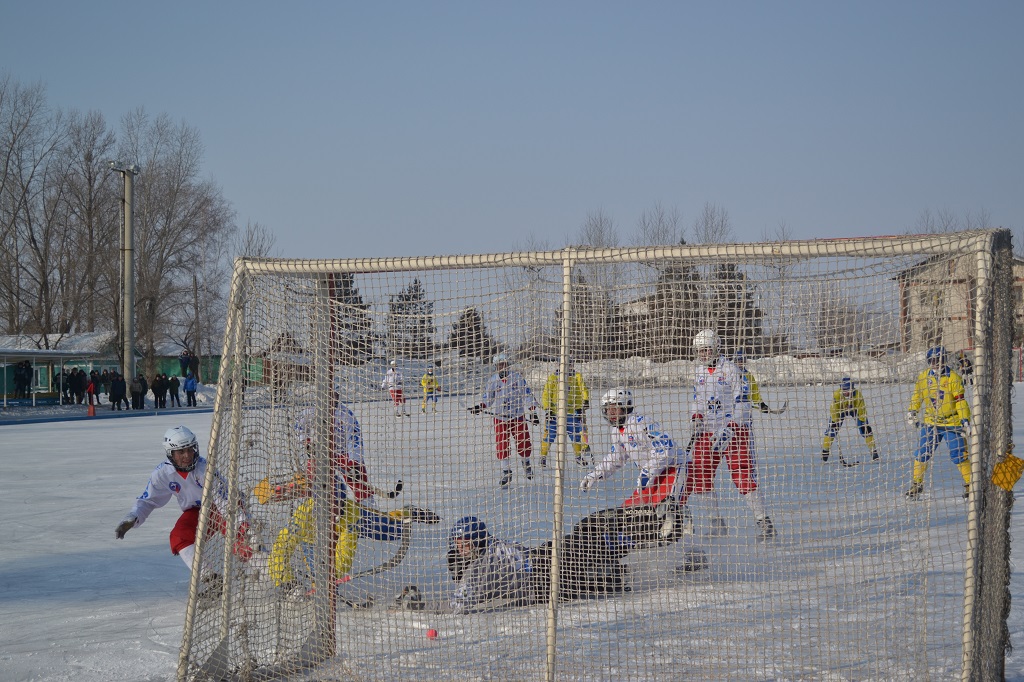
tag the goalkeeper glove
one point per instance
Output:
(126, 525)
(476, 409)
(645, 478)
(588, 481)
(965, 426)
(534, 418)
(912, 418)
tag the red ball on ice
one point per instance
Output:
(431, 633)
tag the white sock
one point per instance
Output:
(187, 555)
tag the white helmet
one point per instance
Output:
(180, 438)
(394, 363)
(623, 397)
(706, 338)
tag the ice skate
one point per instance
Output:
(915, 491)
(824, 454)
(767, 529)
(506, 478)
(874, 455)
(528, 468)
(694, 560)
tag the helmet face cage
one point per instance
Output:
(619, 397)
(846, 385)
(705, 344)
(181, 438)
(937, 354)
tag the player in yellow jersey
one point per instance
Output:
(577, 400)
(939, 408)
(431, 389)
(847, 401)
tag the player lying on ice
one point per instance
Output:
(493, 573)
(350, 506)
(182, 476)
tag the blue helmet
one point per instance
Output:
(846, 384)
(469, 528)
(937, 353)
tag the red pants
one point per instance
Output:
(396, 396)
(700, 473)
(184, 532)
(506, 429)
(655, 491)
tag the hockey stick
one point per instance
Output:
(779, 410)
(837, 445)
(396, 558)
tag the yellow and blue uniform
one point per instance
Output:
(848, 403)
(431, 390)
(939, 406)
(577, 400)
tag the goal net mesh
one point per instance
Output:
(790, 566)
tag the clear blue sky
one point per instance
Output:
(414, 128)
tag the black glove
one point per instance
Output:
(534, 418)
(397, 491)
(124, 527)
(586, 405)
(476, 409)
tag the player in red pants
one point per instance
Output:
(719, 431)
(508, 398)
(182, 476)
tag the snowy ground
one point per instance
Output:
(75, 604)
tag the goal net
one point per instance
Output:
(745, 461)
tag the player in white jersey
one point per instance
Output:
(182, 476)
(718, 428)
(507, 397)
(394, 384)
(639, 440)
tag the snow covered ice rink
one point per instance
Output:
(76, 604)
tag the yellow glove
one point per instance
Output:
(265, 492)
(1005, 474)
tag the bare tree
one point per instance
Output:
(712, 226)
(93, 219)
(657, 226)
(256, 241)
(946, 220)
(180, 221)
(781, 233)
(598, 230)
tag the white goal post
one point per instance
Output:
(352, 414)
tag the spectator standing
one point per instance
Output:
(173, 385)
(183, 361)
(105, 383)
(190, 390)
(118, 392)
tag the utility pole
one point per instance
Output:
(128, 174)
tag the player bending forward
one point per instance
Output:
(716, 431)
(352, 493)
(182, 476)
(847, 401)
(494, 573)
(946, 416)
(640, 440)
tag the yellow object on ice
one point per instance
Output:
(1005, 474)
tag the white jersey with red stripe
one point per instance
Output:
(717, 392)
(640, 440)
(166, 482)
